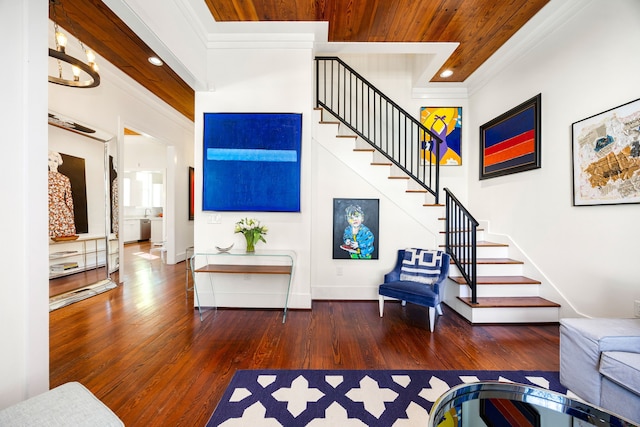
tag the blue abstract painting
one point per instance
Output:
(252, 162)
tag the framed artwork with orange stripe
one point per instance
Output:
(510, 143)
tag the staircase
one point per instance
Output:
(504, 293)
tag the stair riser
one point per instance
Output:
(500, 291)
(479, 235)
(507, 315)
(491, 251)
(492, 270)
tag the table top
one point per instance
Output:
(466, 405)
(243, 269)
(241, 252)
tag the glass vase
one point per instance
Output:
(250, 243)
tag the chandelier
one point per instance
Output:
(70, 69)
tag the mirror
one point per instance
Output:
(83, 211)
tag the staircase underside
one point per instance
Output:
(503, 294)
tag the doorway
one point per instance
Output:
(144, 190)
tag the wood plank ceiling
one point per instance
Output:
(480, 26)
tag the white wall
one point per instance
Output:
(144, 154)
(260, 77)
(583, 66)
(24, 293)
(357, 279)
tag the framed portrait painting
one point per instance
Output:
(510, 143)
(606, 157)
(355, 228)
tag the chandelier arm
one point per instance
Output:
(95, 77)
(60, 54)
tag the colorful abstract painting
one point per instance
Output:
(446, 122)
(606, 157)
(510, 143)
(251, 162)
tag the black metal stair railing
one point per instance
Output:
(379, 121)
(405, 142)
(461, 241)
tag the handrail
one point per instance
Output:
(460, 241)
(379, 121)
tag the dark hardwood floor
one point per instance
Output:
(143, 351)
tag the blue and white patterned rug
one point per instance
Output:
(347, 398)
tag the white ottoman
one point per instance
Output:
(70, 404)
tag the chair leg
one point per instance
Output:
(404, 303)
(381, 304)
(432, 317)
(439, 309)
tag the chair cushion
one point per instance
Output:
(605, 334)
(70, 404)
(413, 292)
(421, 265)
(622, 368)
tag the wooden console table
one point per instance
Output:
(237, 262)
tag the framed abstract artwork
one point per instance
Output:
(355, 228)
(510, 143)
(446, 122)
(606, 157)
(251, 162)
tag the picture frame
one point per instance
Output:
(252, 162)
(605, 153)
(511, 142)
(446, 122)
(192, 209)
(359, 240)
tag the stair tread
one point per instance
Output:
(498, 280)
(348, 136)
(486, 302)
(398, 177)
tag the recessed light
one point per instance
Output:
(446, 73)
(155, 61)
